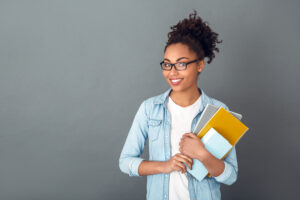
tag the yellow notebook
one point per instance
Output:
(227, 125)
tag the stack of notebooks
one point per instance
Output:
(219, 131)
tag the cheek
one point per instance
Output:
(191, 76)
(195, 73)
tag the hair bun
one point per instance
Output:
(195, 33)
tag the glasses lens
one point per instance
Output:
(166, 66)
(181, 66)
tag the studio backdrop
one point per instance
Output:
(73, 74)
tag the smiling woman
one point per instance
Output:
(167, 120)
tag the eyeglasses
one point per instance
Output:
(179, 66)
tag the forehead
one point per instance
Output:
(178, 50)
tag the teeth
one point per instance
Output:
(175, 80)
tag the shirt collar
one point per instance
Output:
(162, 99)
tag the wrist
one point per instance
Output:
(163, 167)
(203, 155)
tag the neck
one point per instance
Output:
(186, 97)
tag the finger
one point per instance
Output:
(185, 141)
(188, 163)
(177, 168)
(182, 138)
(181, 166)
(180, 149)
(190, 134)
(179, 158)
(182, 156)
(186, 134)
(185, 137)
(181, 145)
(187, 158)
(184, 159)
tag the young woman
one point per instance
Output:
(168, 119)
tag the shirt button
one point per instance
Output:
(165, 196)
(166, 175)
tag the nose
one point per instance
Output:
(173, 71)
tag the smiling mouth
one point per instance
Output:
(176, 81)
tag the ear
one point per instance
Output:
(200, 65)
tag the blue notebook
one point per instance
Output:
(217, 145)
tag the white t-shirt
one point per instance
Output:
(181, 118)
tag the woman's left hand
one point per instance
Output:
(192, 146)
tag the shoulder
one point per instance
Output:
(154, 105)
(157, 99)
(153, 99)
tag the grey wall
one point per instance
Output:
(73, 74)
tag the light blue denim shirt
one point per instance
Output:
(152, 121)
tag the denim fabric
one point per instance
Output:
(152, 121)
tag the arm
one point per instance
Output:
(157, 167)
(224, 171)
(151, 167)
(230, 171)
(130, 161)
(213, 165)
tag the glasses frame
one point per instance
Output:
(174, 64)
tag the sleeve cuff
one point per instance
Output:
(134, 165)
(225, 174)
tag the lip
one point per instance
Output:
(176, 83)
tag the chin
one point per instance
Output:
(177, 88)
(180, 88)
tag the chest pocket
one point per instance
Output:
(155, 126)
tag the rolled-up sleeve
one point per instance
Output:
(130, 159)
(229, 175)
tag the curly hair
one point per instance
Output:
(197, 35)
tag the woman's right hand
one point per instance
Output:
(176, 163)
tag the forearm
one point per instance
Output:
(213, 165)
(151, 167)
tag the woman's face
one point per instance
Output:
(184, 80)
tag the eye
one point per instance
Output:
(182, 64)
(167, 64)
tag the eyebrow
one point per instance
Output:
(177, 59)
